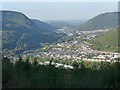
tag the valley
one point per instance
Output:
(76, 49)
(75, 46)
(60, 45)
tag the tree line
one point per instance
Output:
(26, 75)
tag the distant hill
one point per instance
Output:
(44, 26)
(107, 42)
(103, 21)
(21, 32)
(65, 23)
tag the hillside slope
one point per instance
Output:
(21, 32)
(103, 21)
(44, 26)
(107, 42)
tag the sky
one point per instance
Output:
(60, 0)
(61, 10)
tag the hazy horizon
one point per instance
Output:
(46, 11)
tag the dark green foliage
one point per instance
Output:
(25, 75)
(102, 21)
(7, 72)
(76, 65)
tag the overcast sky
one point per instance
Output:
(61, 10)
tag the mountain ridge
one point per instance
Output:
(106, 20)
(21, 32)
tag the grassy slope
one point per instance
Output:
(107, 41)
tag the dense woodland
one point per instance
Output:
(26, 75)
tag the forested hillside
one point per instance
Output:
(21, 32)
(103, 21)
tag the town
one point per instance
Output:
(70, 51)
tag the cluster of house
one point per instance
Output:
(58, 53)
(12, 58)
(84, 52)
(93, 31)
(57, 65)
(89, 34)
(74, 50)
(71, 53)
